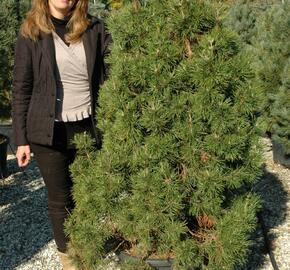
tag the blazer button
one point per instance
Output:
(51, 115)
(48, 135)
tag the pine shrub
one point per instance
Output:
(180, 150)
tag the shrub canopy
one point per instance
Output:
(179, 145)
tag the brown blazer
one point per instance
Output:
(34, 82)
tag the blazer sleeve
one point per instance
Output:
(22, 89)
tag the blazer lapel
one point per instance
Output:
(48, 50)
(90, 40)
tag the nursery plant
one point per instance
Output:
(180, 151)
(8, 30)
(281, 112)
(11, 14)
(272, 48)
(98, 9)
(243, 18)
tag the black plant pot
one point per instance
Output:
(4, 140)
(156, 264)
(6, 129)
(279, 154)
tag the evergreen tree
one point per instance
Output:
(243, 17)
(9, 15)
(101, 8)
(179, 143)
(281, 111)
(272, 48)
(98, 8)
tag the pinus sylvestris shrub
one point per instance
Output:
(179, 147)
(272, 48)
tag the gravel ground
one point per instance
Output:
(26, 241)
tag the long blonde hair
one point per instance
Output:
(38, 20)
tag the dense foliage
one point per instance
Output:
(11, 14)
(243, 18)
(101, 8)
(281, 111)
(179, 145)
(8, 29)
(272, 48)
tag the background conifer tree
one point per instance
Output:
(243, 17)
(11, 14)
(272, 48)
(281, 111)
(101, 8)
(179, 146)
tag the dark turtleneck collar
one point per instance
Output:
(60, 27)
(59, 22)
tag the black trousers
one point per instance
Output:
(53, 162)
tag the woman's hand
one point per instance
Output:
(23, 155)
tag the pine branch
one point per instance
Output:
(188, 50)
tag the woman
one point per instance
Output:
(59, 65)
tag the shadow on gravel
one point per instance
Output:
(273, 213)
(24, 224)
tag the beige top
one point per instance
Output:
(73, 101)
